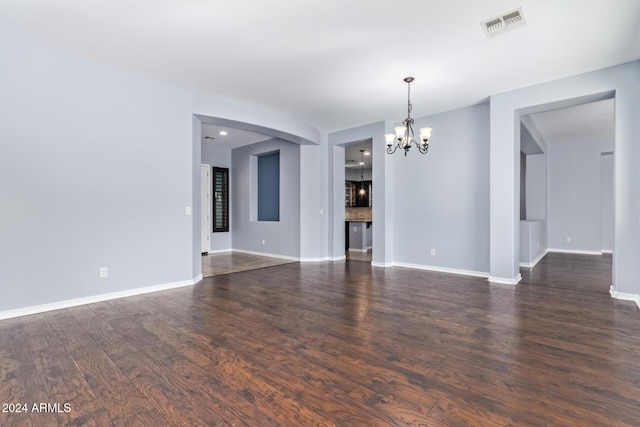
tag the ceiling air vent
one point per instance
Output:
(500, 24)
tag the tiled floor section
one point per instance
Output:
(359, 256)
(233, 262)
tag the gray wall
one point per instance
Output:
(607, 214)
(95, 171)
(281, 237)
(523, 186)
(314, 202)
(220, 157)
(443, 196)
(533, 241)
(358, 234)
(536, 183)
(574, 196)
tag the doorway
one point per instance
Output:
(567, 189)
(358, 201)
(205, 208)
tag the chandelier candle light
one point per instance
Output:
(404, 134)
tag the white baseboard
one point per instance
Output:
(321, 259)
(535, 261)
(506, 280)
(575, 251)
(357, 250)
(442, 269)
(8, 314)
(607, 251)
(338, 258)
(625, 297)
(382, 264)
(290, 258)
(220, 251)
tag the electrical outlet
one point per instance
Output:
(187, 210)
(568, 239)
(433, 252)
(538, 245)
(104, 272)
(264, 243)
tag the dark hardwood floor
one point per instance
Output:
(336, 344)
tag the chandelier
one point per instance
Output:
(404, 134)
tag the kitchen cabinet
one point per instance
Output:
(353, 197)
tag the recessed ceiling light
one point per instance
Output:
(366, 153)
(223, 132)
(362, 163)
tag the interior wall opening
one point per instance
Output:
(358, 200)
(214, 140)
(567, 185)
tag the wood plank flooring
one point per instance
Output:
(336, 344)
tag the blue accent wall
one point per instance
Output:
(269, 187)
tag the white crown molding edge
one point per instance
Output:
(623, 296)
(25, 311)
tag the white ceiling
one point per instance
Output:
(592, 122)
(353, 156)
(332, 63)
(233, 139)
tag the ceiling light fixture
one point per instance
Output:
(223, 132)
(404, 134)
